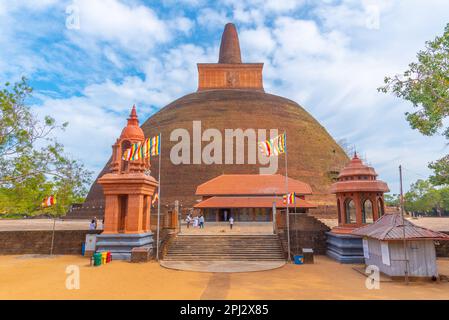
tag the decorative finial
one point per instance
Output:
(133, 120)
(230, 47)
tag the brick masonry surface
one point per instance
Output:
(309, 161)
(39, 242)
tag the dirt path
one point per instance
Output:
(27, 277)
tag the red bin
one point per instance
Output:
(108, 257)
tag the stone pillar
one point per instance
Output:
(111, 220)
(135, 212)
(373, 199)
(358, 209)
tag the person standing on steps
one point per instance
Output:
(195, 221)
(231, 222)
(188, 220)
(201, 222)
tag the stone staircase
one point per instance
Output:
(225, 248)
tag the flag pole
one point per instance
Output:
(53, 236)
(159, 199)
(286, 187)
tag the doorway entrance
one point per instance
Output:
(224, 215)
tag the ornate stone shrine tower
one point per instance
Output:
(128, 193)
(360, 201)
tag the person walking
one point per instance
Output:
(92, 225)
(201, 222)
(195, 221)
(188, 220)
(95, 222)
(231, 222)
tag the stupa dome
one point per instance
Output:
(230, 96)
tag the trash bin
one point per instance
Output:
(299, 259)
(108, 257)
(104, 256)
(308, 255)
(83, 248)
(97, 259)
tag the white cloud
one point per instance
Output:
(135, 28)
(326, 58)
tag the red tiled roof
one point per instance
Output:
(390, 227)
(356, 167)
(249, 202)
(251, 184)
(359, 185)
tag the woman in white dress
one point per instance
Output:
(195, 221)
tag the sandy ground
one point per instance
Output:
(29, 277)
(437, 224)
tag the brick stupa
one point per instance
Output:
(231, 95)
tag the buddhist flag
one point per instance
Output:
(155, 198)
(139, 150)
(289, 198)
(155, 145)
(48, 202)
(274, 147)
(135, 152)
(127, 154)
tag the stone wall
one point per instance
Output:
(39, 242)
(305, 232)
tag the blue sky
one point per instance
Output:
(329, 56)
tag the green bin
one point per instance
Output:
(97, 259)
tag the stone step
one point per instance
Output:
(225, 247)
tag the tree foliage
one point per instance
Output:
(33, 164)
(392, 200)
(426, 85)
(425, 198)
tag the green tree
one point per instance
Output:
(391, 200)
(426, 85)
(423, 197)
(32, 163)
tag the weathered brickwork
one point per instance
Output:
(305, 232)
(39, 242)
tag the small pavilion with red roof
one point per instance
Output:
(249, 197)
(360, 196)
(360, 201)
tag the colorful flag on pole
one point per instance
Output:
(150, 147)
(127, 154)
(48, 202)
(133, 153)
(289, 198)
(155, 198)
(274, 146)
(155, 145)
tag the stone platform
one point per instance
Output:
(345, 248)
(120, 245)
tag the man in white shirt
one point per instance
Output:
(231, 222)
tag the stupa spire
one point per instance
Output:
(133, 120)
(230, 47)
